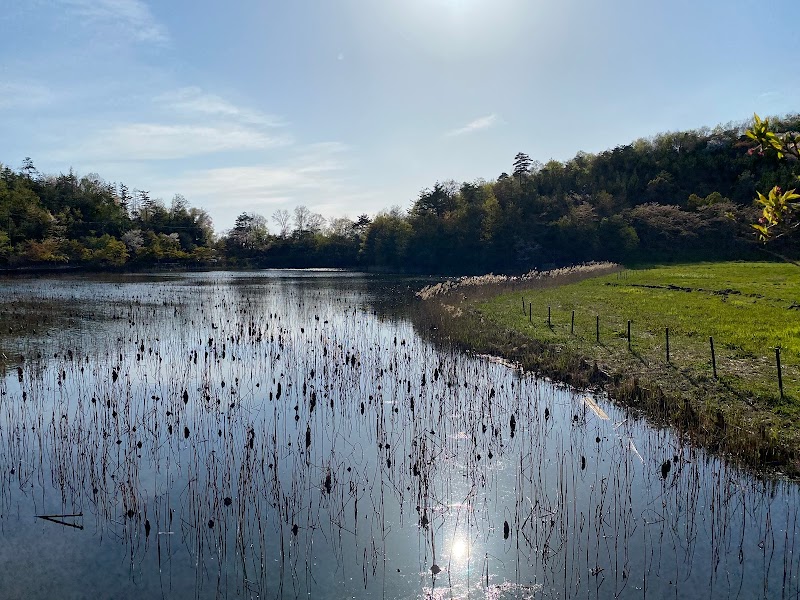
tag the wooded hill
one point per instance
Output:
(677, 196)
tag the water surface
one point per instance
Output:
(291, 434)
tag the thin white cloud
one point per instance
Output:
(478, 124)
(257, 183)
(186, 122)
(193, 101)
(315, 174)
(132, 18)
(151, 141)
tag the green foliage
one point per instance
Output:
(107, 251)
(522, 165)
(48, 252)
(249, 236)
(67, 220)
(779, 209)
(618, 238)
(781, 143)
(386, 242)
(5, 246)
(695, 202)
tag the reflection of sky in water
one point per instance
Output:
(330, 451)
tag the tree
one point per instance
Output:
(618, 240)
(202, 228)
(341, 227)
(779, 209)
(386, 241)
(301, 217)
(666, 230)
(124, 197)
(134, 241)
(249, 235)
(662, 188)
(282, 219)
(66, 218)
(316, 222)
(107, 250)
(361, 225)
(179, 206)
(436, 201)
(306, 221)
(522, 164)
(140, 198)
(28, 168)
(5, 246)
(46, 251)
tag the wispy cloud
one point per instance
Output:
(132, 18)
(151, 141)
(196, 102)
(478, 124)
(315, 173)
(186, 123)
(262, 182)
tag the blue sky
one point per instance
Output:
(353, 106)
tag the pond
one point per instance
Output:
(287, 434)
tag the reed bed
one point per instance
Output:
(487, 286)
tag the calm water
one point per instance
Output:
(292, 434)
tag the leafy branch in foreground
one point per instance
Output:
(779, 209)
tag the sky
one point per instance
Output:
(354, 106)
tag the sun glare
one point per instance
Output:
(459, 7)
(459, 549)
(456, 4)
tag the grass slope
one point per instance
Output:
(748, 308)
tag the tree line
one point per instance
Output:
(48, 220)
(676, 196)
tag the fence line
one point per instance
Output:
(630, 340)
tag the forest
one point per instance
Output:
(676, 196)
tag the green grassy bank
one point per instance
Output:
(749, 309)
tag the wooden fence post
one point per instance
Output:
(713, 357)
(572, 324)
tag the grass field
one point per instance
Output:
(748, 308)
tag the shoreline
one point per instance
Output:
(721, 421)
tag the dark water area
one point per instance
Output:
(289, 434)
